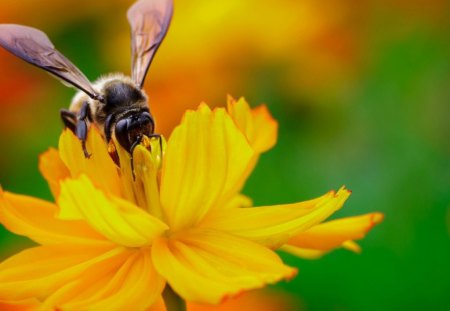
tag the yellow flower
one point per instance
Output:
(115, 239)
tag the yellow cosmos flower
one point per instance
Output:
(115, 239)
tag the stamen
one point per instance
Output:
(133, 146)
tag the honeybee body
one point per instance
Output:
(116, 104)
(122, 99)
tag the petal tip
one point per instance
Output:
(352, 246)
(66, 134)
(344, 188)
(49, 150)
(219, 111)
(264, 112)
(375, 219)
(230, 99)
(204, 107)
(236, 295)
(344, 192)
(292, 275)
(293, 272)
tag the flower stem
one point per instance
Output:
(172, 301)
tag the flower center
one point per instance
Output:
(141, 174)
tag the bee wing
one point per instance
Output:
(149, 21)
(34, 47)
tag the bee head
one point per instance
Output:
(130, 130)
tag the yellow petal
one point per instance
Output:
(204, 164)
(40, 271)
(273, 226)
(24, 305)
(308, 253)
(258, 127)
(207, 266)
(36, 219)
(118, 220)
(352, 246)
(332, 234)
(256, 124)
(239, 201)
(302, 252)
(132, 283)
(159, 305)
(100, 168)
(53, 169)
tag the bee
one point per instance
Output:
(116, 104)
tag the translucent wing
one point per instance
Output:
(149, 20)
(34, 47)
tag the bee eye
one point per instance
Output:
(148, 122)
(145, 114)
(121, 132)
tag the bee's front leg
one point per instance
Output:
(82, 127)
(69, 119)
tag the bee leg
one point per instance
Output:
(69, 119)
(81, 133)
(107, 128)
(82, 127)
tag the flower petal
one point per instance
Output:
(273, 226)
(332, 234)
(35, 219)
(256, 124)
(24, 305)
(39, 271)
(53, 169)
(118, 220)
(352, 246)
(239, 201)
(207, 266)
(308, 253)
(205, 162)
(302, 252)
(100, 168)
(132, 283)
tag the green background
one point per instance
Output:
(386, 137)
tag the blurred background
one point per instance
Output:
(361, 90)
